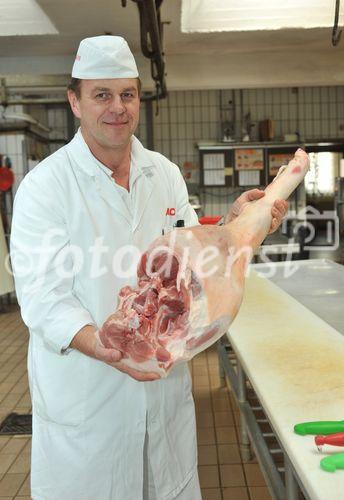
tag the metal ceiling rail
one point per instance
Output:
(151, 35)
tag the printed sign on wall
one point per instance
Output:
(249, 159)
(276, 160)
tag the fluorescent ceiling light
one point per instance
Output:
(254, 15)
(24, 17)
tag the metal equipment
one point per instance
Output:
(151, 29)
(339, 202)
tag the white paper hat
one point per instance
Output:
(104, 56)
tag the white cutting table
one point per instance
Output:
(288, 340)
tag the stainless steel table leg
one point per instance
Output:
(291, 486)
(222, 373)
(245, 446)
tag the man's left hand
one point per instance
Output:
(278, 211)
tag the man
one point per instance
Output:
(99, 433)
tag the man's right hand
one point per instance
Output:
(136, 374)
(88, 342)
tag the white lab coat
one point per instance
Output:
(89, 419)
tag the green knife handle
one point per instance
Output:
(332, 462)
(322, 427)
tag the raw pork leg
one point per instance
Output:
(191, 283)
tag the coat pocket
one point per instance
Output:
(58, 385)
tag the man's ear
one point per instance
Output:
(74, 103)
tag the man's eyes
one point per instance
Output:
(103, 96)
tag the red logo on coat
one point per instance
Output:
(171, 211)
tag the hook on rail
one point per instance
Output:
(336, 32)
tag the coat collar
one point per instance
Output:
(141, 166)
(85, 160)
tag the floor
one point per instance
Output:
(223, 476)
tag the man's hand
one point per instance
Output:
(88, 342)
(136, 374)
(116, 363)
(278, 211)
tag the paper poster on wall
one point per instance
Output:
(214, 177)
(249, 178)
(276, 160)
(213, 161)
(214, 169)
(249, 159)
(190, 172)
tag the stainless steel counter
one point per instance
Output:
(318, 284)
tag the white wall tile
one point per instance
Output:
(213, 98)
(17, 164)
(324, 111)
(2, 144)
(181, 99)
(332, 110)
(173, 115)
(333, 128)
(308, 111)
(11, 145)
(198, 131)
(181, 131)
(332, 94)
(316, 111)
(214, 114)
(17, 180)
(285, 112)
(317, 129)
(324, 94)
(189, 117)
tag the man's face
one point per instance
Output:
(108, 110)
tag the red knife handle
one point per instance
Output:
(336, 439)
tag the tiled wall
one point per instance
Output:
(57, 121)
(190, 116)
(13, 145)
(187, 117)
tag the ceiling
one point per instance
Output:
(76, 19)
(257, 55)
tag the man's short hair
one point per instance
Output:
(75, 86)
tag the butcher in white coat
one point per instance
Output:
(81, 217)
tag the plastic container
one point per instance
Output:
(210, 219)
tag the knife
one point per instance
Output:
(332, 462)
(321, 427)
(336, 439)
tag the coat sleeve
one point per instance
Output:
(44, 263)
(184, 209)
